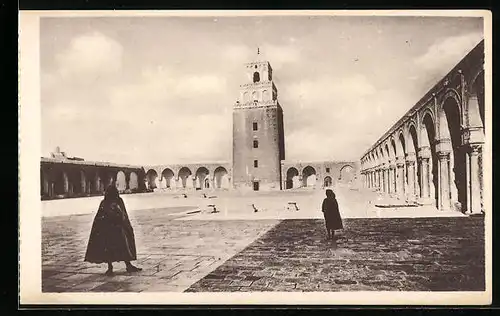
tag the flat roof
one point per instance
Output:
(88, 163)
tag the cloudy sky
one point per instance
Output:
(161, 89)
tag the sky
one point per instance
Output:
(159, 90)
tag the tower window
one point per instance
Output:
(255, 126)
(256, 76)
(255, 144)
(256, 185)
(256, 163)
(327, 169)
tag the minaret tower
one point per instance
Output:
(258, 133)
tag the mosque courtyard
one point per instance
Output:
(261, 242)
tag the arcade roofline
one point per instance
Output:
(88, 163)
(188, 164)
(427, 96)
(318, 161)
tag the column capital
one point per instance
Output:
(410, 162)
(472, 134)
(475, 148)
(400, 164)
(424, 152)
(411, 156)
(424, 159)
(442, 155)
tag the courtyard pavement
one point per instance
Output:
(272, 250)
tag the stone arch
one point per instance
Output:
(346, 173)
(388, 154)
(401, 144)
(292, 178)
(451, 121)
(121, 181)
(412, 138)
(60, 182)
(255, 96)
(221, 178)
(452, 94)
(94, 182)
(168, 177)
(256, 77)
(429, 138)
(430, 112)
(412, 146)
(74, 181)
(185, 177)
(201, 175)
(395, 152)
(152, 179)
(308, 176)
(475, 102)
(133, 182)
(266, 95)
(85, 183)
(327, 182)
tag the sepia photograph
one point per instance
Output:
(255, 157)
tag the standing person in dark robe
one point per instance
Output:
(331, 212)
(112, 236)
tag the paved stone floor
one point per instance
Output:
(173, 254)
(270, 255)
(424, 254)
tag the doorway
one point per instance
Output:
(256, 185)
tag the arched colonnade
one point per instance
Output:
(434, 154)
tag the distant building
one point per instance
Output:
(62, 176)
(258, 132)
(258, 157)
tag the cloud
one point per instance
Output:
(237, 53)
(330, 88)
(91, 54)
(200, 85)
(281, 55)
(445, 53)
(346, 114)
(135, 97)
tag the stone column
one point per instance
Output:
(127, 181)
(393, 169)
(424, 156)
(400, 178)
(97, 183)
(389, 179)
(379, 179)
(410, 165)
(475, 183)
(444, 181)
(386, 179)
(66, 182)
(83, 181)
